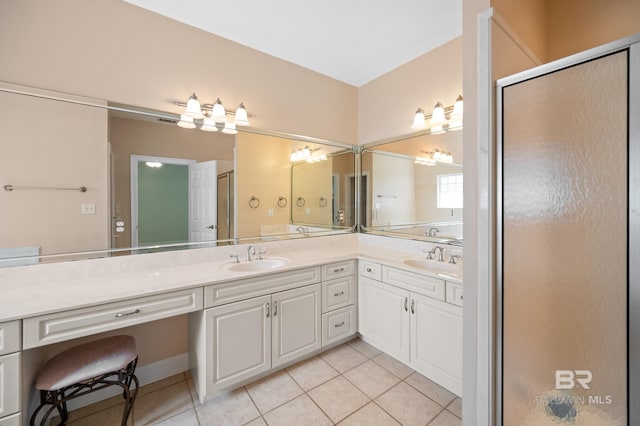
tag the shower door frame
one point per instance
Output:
(632, 45)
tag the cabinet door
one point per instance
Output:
(9, 384)
(239, 336)
(436, 341)
(383, 317)
(296, 323)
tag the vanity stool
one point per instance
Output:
(88, 368)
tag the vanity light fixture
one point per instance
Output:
(438, 118)
(193, 109)
(153, 164)
(211, 117)
(455, 120)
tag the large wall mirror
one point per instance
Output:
(83, 178)
(413, 187)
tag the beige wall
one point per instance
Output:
(387, 104)
(136, 137)
(263, 171)
(554, 29)
(577, 25)
(111, 50)
(46, 143)
(528, 19)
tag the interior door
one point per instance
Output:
(224, 207)
(202, 201)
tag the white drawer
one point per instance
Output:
(421, 284)
(371, 270)
(338, 270)
(338, 324)
(338, 293)
(9, 337)
(233, 291)
(9, 384)
(12, 420)
(47, 329)
(454, 293)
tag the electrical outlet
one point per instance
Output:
(308, 211)
(270, 212)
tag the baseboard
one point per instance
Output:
(146, 374)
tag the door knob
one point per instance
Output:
(211, 227)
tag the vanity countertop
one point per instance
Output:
(28, 291)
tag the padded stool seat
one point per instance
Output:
(87, 368)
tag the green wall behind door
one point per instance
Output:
(163, 204)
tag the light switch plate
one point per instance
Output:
(88, 209)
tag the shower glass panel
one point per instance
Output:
(564, 177)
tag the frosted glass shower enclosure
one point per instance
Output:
(568, 200)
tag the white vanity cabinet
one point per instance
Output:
(234, 342)
(405, 315)
(10, 373)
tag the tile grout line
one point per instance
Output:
(260, 414)
(307, 392)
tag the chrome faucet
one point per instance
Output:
(441, 255)
(251, 250)
(432, 232)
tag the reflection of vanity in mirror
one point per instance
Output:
(414, 185)
(93, 179)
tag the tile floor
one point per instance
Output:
(352, 384)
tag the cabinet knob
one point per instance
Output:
(340, 324)
(266, 306)
(340, 293)
(369, 270)
(413, 306)
(338, 270)
(406, 304)
(275, 308)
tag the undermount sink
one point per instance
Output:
(444, 269)
(256, 265)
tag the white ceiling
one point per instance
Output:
(353, 41)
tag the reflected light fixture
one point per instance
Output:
(229, 128)
(306, 154)
(438, 122)
(153, 164)
(435, 156)
(211, 117)
(186, 122)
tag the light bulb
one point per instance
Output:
(186, 122)
(242, 119)
(455, 122)
(436, 155)
(209, 125)
(218, 113)
(418, 120)
(306, 151)
(229, 128)
(438, 119)
(193, 109)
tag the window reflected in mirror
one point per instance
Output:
(415, 188)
